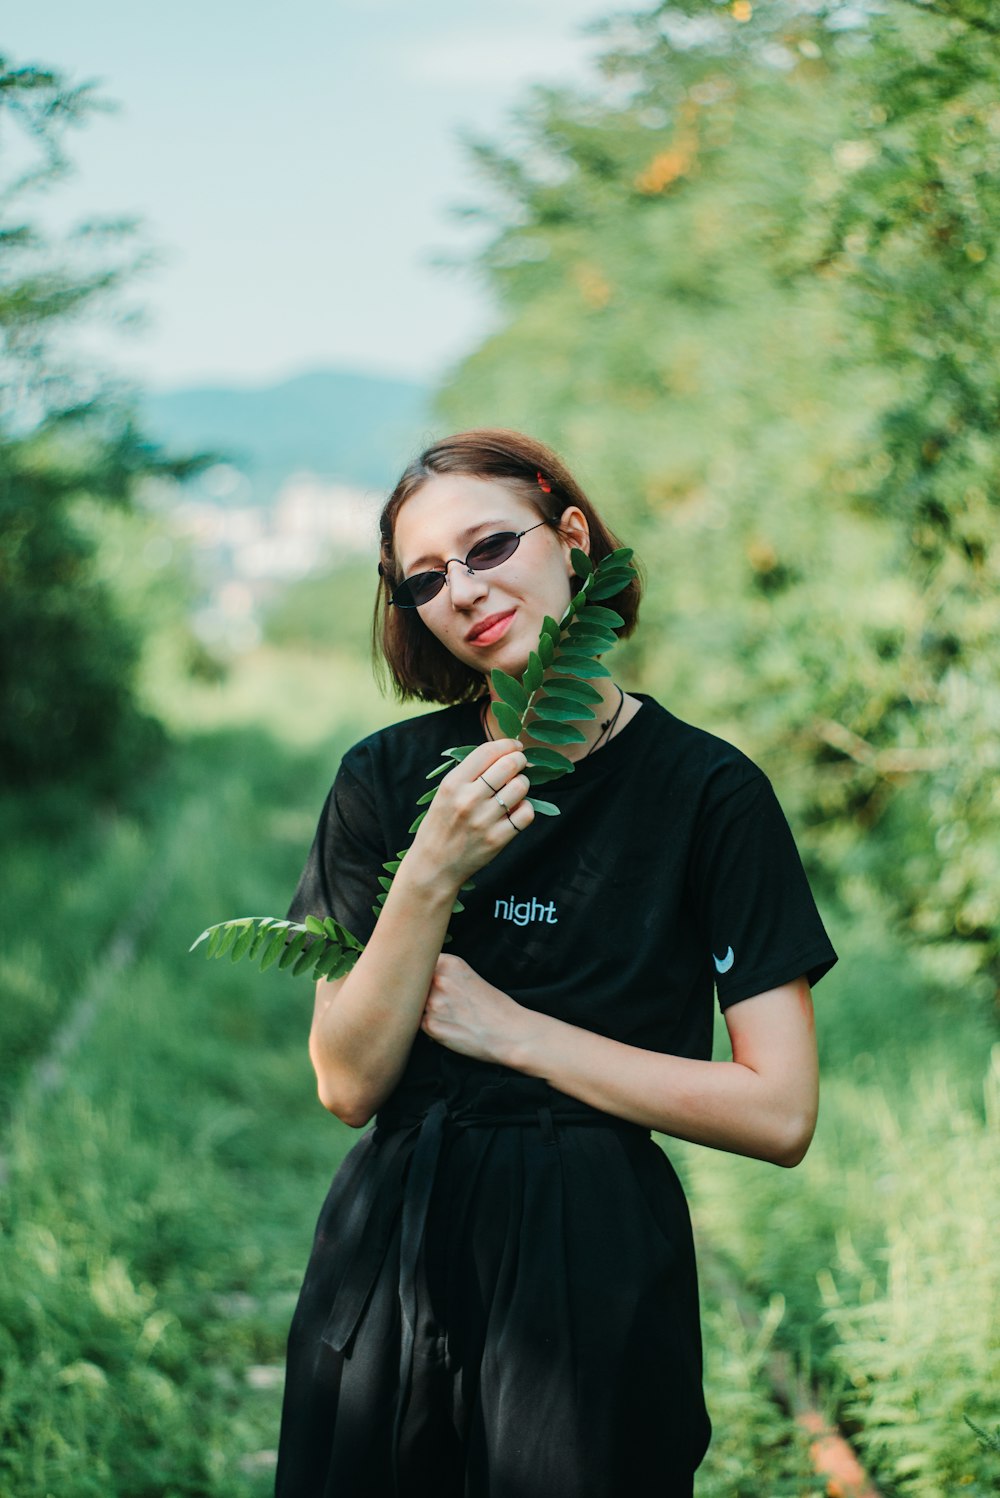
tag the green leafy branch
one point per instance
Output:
(555, 693)
(324, 948)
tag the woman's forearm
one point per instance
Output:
(724, 1104)
(364, 1025)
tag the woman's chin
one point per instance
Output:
(512, 661)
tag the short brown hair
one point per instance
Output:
(403, 648)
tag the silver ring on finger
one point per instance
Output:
(502, 803)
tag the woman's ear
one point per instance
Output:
(573, 528)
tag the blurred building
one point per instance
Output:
(245, 553)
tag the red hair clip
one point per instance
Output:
(543, 484)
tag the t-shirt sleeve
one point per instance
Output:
(755, 907)
(341, 874)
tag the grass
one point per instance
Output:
(882, 1242)
(159, 1203)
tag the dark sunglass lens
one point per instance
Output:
(418, 589)
(493, 550)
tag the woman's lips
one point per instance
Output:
(494, 631)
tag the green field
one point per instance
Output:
(165, 1154)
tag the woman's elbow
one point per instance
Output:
(351, 1110)
(338, 1089)
(794, 1140)
(340, 1095)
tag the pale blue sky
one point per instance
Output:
(295, 164)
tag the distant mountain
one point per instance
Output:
(357, 429)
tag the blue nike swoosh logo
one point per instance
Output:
(723, 964)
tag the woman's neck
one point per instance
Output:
(610, 714)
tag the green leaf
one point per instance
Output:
(561, 710)
(230, 932)
(583, 629)
(315, 925)
(347, 940)
(533, 675)
(260, 940)
(392, 865)
(385, 882)
(589, 642)
(580, 668)
(551, 629)
(582, 565)
(609, 570)
(543, 808)
(215, 936)
(540, 775)
(597, 613)
(457, 908)
(548, 759)
(416, 822)
(556, 697)
(610, 586)
(440, 769)
(622, 555)
(292, 950)
(243, 942)
(557, 733)
(576, 656)
(345, 965)
(427, 797)
(623, 575)
(273, 950)
(571, 687)
(508, 720)
(334, 963)
(509, 691)
(546, 650)
(206, 935)
(307, 958)
(460, 753)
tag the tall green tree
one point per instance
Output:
(915, 243)
(69, 451)
(747, 282)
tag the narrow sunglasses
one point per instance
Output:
(419, 589)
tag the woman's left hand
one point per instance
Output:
(466, 1014)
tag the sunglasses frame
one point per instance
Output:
(442, 572)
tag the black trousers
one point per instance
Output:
(499, 1304)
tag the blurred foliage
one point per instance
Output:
(331, 610)
(748, 283)
(69, 454)
(882, 1244)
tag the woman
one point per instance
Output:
(502, 1299)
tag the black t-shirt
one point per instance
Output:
(670, 869)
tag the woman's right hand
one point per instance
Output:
(466, 826)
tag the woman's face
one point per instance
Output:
(490, 618)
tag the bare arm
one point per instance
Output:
(762, 1103)
(364, 1023)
